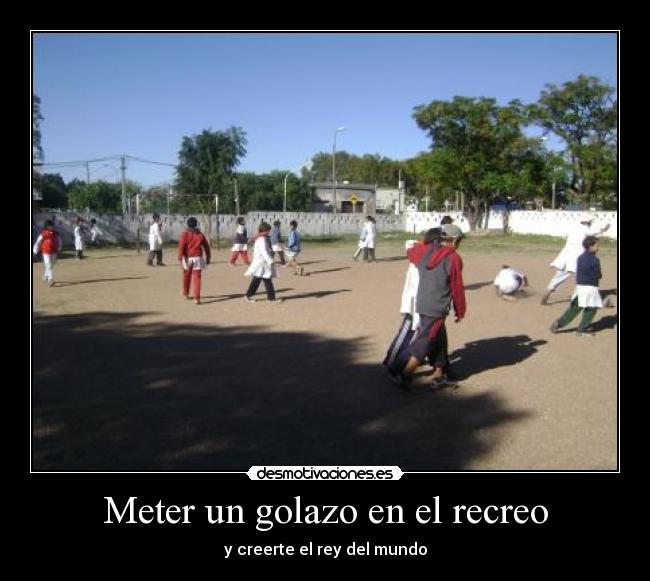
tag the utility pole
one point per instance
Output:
(169, 196)
(236, 197)
(87, 172)
(123, 168)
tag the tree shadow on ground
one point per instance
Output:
(485, 354)
(64, 283)
(110, 393)
(328, 270)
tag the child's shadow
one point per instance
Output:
(479, 356)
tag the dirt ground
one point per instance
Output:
(127, 375)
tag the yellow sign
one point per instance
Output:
(353, 199)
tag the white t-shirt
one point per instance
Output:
(507, 280)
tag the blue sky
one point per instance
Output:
(139, 94)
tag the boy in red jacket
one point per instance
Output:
(191, 246)
(49, 243)
(440, 271)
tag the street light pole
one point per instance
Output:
(284, 204)
(338, 130)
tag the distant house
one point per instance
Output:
(390, 199)
(358, 198)
(350, 198)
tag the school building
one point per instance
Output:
(351, 198)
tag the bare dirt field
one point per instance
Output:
(127, 375)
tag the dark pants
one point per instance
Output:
(79, 253)
(255, 283)
(157, 254)
(588, 314)
(369, 254)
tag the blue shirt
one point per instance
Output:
(588, 271)
(275, 235)
(293, 243)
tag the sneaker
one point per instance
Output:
(197, 302)
(545, 298)
(162, 264)
(438, 382)
(398, 379)
(585, 333)
(608, 303)
(185, 296)
(275, 301)
(249, 299)
(284, 265)
(555, 326)
(50, 283)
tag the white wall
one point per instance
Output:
(548, 222)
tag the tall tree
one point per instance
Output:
(206, 167)
(478, 147)
(584, 114)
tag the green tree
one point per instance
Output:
(101, 196)
(584, 114)
(479, 149)
(206, 167)
(53, 190)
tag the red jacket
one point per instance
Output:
(191, 244)
(50, 242)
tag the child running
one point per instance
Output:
(586, 297)
(440, 284)
(240, 245)
(276, 242)
(79, 234)
(293, 248)
(508, 282)
(191, 247)
(262, 268)
(49, 244)
(397, 354)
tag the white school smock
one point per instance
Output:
(588, 296)
(78, 238)
(410, 293)
(155, 237)
(507, 282)
(262, 264)
(370, 232)
(568, 258)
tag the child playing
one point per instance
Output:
(276, 242)
(362, 243)
(191, 247)
(293, 248)
(586, 297)
(262, 268)
(369, 240)
(440, 284)
(155, 242)
(508, 282)
(397, 354)
(79, 234)
(240, 245)
(95, 233)
(49, 244)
